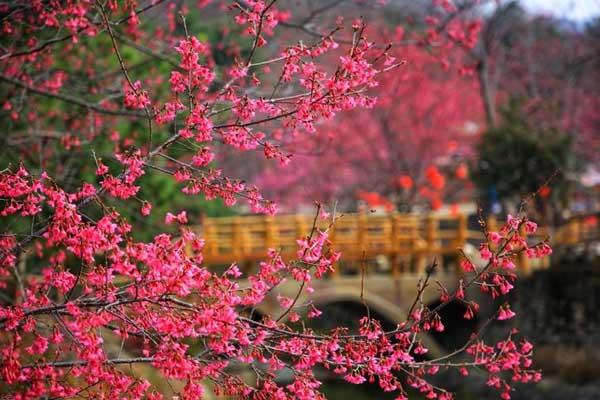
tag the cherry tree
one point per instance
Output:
(410, 148)
(99, 97)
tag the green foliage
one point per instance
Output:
(516, 159)
(165, 195)
(45, 151)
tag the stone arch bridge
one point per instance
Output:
(383, 256)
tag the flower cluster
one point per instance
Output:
(156, 296)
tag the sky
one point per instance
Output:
(577, 10)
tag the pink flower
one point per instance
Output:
(238, 72)
(203, 157)
(467, 265)
(469, 313)
(526, 347)
(355, 378)
(293, 317)
(314, 312)
(495, 237)
(180, 218)
(484, 252)
(530, 227)
(63, 281)
(284, 302)
(146, 209)
(39, 345)
(102, 169)
(233, 271)
(508, 264)
(193, 390)
(505, 313)
(513, 222)
(135, 97)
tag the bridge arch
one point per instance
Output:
(391, 311)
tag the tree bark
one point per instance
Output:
(486, 93)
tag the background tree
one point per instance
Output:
(409, 148)
(516, 160)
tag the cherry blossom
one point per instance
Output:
(89, 302)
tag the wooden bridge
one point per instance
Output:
(401, 243)
(393, 249)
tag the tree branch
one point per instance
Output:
(71, 99)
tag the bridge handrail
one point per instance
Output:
(247, 238)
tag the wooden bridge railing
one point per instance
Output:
(247, 238)
(234, 238)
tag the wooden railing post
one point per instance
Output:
(336, 267)
(361, 234)
(361, 238)
(492, 223)
(271, 233)
(237, 245)
(395, 256)
(210, 248)
(431, 231)
(572, 231)
(431, 243)
(301, 227)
